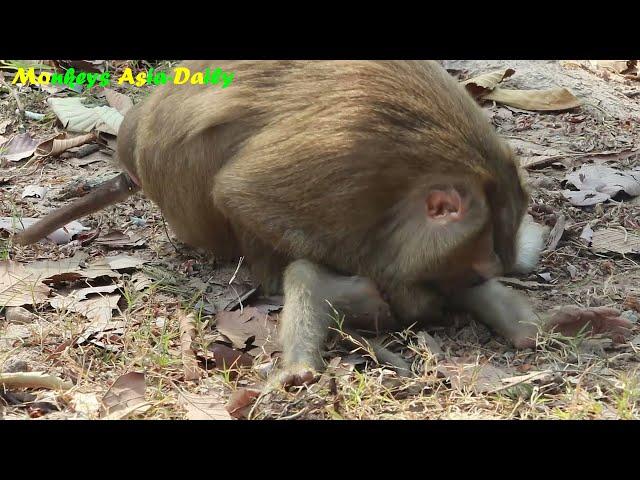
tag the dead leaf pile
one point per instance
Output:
(599, 183)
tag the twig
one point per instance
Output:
(33, 380)
(14, 94)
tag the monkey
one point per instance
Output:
(322, 172)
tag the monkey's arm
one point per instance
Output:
(112, 191)
(510, 315)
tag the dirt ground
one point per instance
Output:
(166, 332)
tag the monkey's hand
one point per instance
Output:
(572, 320)
(297, 376)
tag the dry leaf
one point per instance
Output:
(118, 239)
(75, 117)
(248, 327)
(97, 309)
(607, 180)
(140, 281)
(556, 233)
(615, 240)
(61, 236)
(86, 404)
(616, 66)
(585, 198)
(123, 262)
(34, 191)
(227, 357)
(204, 407)
(187, 334)
(55, 146)
(485, 83)
(480, 378)
(19, 315)
(241, 400)
(20, 286)
(54, 271)
(554, 99)
(126, 392)
(120, 102)
(34, 380)
(19, 147)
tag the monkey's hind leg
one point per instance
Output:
(311, 295)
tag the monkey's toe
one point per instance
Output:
(297, 376)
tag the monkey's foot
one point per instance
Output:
(297, 376)
(571, 320)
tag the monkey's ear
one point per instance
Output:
(444, 205)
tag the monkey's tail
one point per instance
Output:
(107, 193)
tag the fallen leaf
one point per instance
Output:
(204, 407)
(587, 234)
(19, 147)
(616, 66)
(615, 240)
(55, 146)
(123, 262)
(118, 239)
(240, 400)
(86, 404)
(140, 281)
(486, 82)
(249, 327)
(480, 378)
(554, 99)
(600, 180)
(19, 315)
(76, 117)
(34, 191)
(556, 233)
(3, 125)
(97, 309)
(585, 198)
(227, 357)
(126, 392)
(120, 102)
(60, 237)
(187, 334)
(20, 286)
(55, 271)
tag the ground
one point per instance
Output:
(174, 334)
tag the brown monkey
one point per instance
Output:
(325, 170)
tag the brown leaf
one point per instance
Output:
(126, 392)
(227, 357)
(616, 66)
(118, 239)
(554, 99)
(187, 333)
(556, 233)
(97, 309)
(58, 144)
(485, 83)
(204, 407)
(117, 100)
(19, 147)
(615, 240)
(20, 286)
(480, 378)
(248, 327)
(241, 400)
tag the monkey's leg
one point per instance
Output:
(112, 191)
(311, 293)
(510, 315)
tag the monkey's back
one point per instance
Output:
(310, 156)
